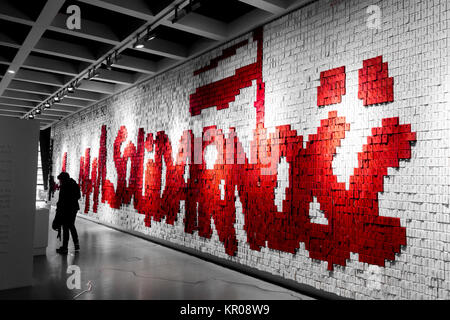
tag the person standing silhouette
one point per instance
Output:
(67, 208)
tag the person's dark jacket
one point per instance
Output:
(67, 205)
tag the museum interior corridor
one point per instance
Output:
(224, 150)
(121, 266)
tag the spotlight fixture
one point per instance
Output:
(150, 36)
(30, 116)
(38, 111)
(117, 56)
(192, 6)
(71, 88)
(56, 98)
(92, 73)
(46, 105)
(109, 63)
(176, 17)
(138, 44)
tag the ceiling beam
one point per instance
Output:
(64, 108)
(248, 21)
(21, 110)
(23, 96)
(86, 95)
(200, 25)
(51, 65)
(136, 64)
(4, 61)
(65, 50)
(73, 103)
(115, 77)
(8, 41)
(30, 87)
(46, 17)
(47, 116)
(272, 6)
(166, 49)
(13, 14)
(136, 8)
(5, 113)
(40, 77)
(91, 30)
(96, 86)
(17, 109)
(56, 112)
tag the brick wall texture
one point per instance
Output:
(354, 199)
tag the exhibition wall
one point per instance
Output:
(314, 148)
(18, 162)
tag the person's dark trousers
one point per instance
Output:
(69, 226)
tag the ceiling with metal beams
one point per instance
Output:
(50, 72)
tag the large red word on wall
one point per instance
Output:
(354, 223)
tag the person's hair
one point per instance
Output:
(63, 176)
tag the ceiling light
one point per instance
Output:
(38, 111)
(56, 98)
(151, 37)
(46, 105)
(11, 71)
(138, 45)
(71, 88)
(30, 116)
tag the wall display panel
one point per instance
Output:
(313, 148)
(18, 162)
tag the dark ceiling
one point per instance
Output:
(40, 56)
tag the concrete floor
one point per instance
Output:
(121, 266)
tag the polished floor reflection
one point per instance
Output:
(121, 266)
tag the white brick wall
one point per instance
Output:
(413, 39)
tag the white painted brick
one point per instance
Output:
(297, 47)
